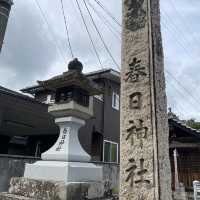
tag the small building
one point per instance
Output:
(24, 124)
(186, 141)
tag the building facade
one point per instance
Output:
(24, 124)
(5, 7)
(185, 165)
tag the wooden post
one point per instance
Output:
(177, 186)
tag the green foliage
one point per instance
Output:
(193, 124)
(115, 190)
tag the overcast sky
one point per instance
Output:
(34, 51)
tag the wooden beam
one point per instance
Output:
(176, 144)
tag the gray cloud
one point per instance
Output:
(27, 50)
(181, 45)
(30, 49)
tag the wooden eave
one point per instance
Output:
(190, 131)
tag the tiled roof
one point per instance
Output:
(7, 91)
(102, 71)
(182, 125)
(35, 88)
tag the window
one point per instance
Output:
(99, 97)
(110, 153)
(115, 101)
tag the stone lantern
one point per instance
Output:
(67, 161)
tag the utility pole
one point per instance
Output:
(5, 7)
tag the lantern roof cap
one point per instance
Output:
(75, 64)
(72, 78)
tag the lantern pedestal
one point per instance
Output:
(67, 172)
(66, 161)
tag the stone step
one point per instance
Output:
(37, 189)
(7, 196)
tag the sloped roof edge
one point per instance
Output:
(178, 123)
(92, 75)
(7, 91)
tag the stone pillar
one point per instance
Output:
(145, 168)
(5, 6)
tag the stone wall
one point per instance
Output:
(13, 166)
(111, 176)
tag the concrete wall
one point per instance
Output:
(110, 176)
(13, 166)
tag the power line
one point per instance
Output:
(187, 103)
(185, 89)
(177, 40)
(186, 106)
(66, 27)
(185, 24)
(180, 43)
(100, 36)
(88, 32)
(179, 32)
(175, 79)
(50, 30)
(102, 16)
(172, 23)
(186, 51)
(182, 106)
(108, 12)
(106, 22)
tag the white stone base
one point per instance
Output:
(68, 172)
